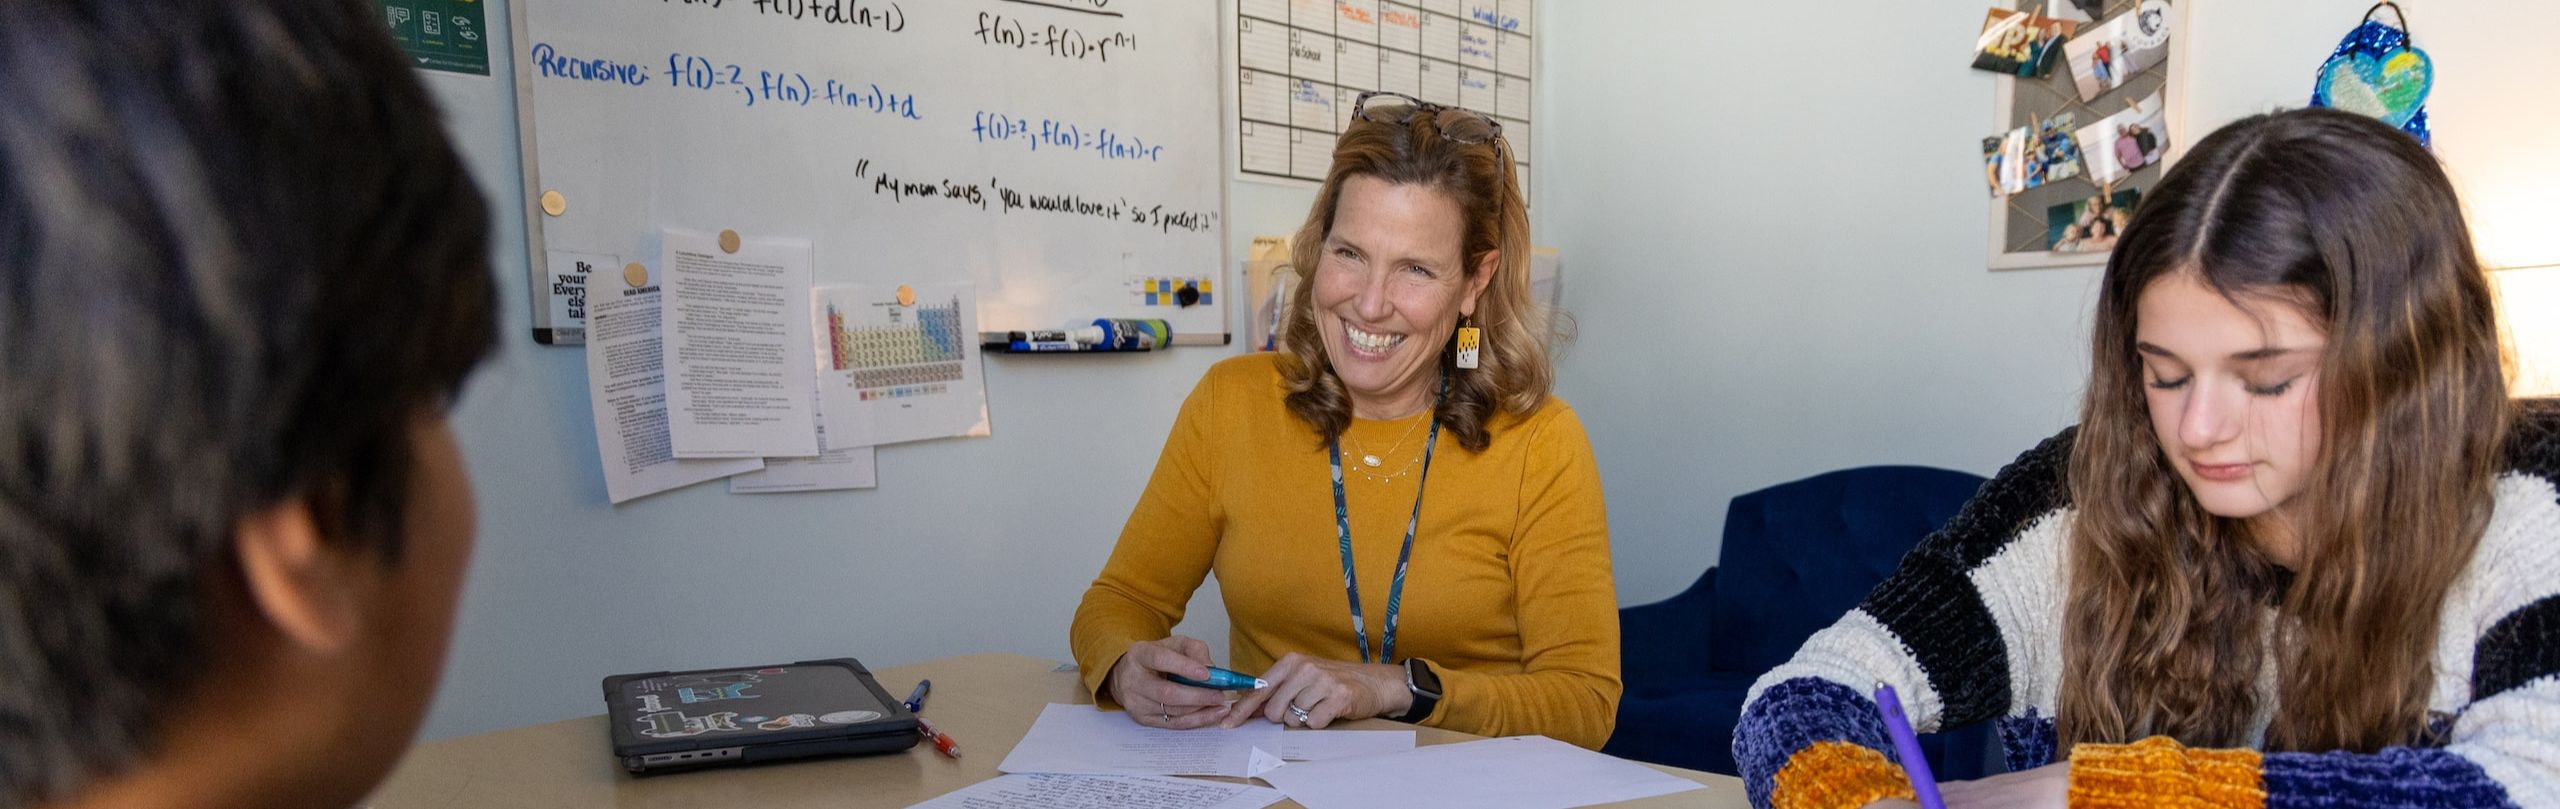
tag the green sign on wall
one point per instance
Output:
(448, 35)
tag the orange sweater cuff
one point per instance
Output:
(2161, 772)
(1838, 775)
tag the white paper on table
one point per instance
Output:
(1083, 739)
(1261, 761)
(1056, 791)
(1318, 745)
(892, 372)
(1515, 772)
(835, 468)
(626, 388)
(739, 384)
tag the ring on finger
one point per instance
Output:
(1300, 713)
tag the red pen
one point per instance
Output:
(941, 741)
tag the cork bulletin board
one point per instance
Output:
(2023, 223)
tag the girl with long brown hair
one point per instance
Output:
(1410, 402)
(2301, 550)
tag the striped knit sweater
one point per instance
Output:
(1969, 629)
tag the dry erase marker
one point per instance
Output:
(1223, 680)
(1923, 785)
(1023, 342)
(942, 742)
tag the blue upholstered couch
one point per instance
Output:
(1796, 557)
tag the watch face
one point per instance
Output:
(1421, 678)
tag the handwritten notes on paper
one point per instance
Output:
(1516, 772)
(1082, 739)
(1052, 791)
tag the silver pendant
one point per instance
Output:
(1372, 460)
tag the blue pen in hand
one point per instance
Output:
(1223, 680)
(1923, 785)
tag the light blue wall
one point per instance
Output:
(1776, 221)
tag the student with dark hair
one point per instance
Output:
(2301, 550)
(242, 277)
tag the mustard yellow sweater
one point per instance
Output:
(1508, 596)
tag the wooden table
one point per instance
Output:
(986, 702)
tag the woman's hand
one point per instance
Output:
(2049, 785)
(1323, 691)
(1138, 683)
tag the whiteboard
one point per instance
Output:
(1058, 154)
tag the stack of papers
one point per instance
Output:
(1076, 756)
(1050, 791)
(1516, 772)
(1080, 739)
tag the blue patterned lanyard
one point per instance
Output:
(1342, 528)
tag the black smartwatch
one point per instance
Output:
(1425, 685)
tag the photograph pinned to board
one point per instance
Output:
(2090, 225)
(2104, 56)
(2020, 43)
(2121, 144)
(901, 363)
(2032, 156)
(2079, 11)
(1995, 163)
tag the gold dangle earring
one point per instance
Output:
(1470, 342)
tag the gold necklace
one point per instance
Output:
(1369, 460)
(1389, 477)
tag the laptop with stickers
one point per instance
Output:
(684, 720)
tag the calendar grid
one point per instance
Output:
(1301, 65)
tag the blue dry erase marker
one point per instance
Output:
(1032, 347)
(1224, 680)
(1923, 785)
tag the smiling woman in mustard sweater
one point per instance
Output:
(1402, 521)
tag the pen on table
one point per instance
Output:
(942, 742)
(1223, 680)
(1923, 785)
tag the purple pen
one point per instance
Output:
(1923, 785)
